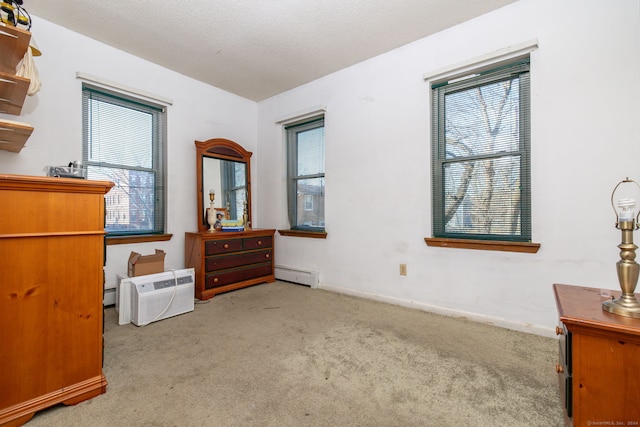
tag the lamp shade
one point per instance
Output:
(35, 50)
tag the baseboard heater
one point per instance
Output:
(297, 275)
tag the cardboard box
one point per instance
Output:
(140, 265)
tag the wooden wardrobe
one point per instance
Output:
(51, 290)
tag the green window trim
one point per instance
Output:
(481, 185)
(124, 142)
(305, 175)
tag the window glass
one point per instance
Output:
(310, 214)
(310, 151)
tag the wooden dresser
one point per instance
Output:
(224, 261)
(599, 360)
(51, 285)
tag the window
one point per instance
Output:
(305, 152)
(308, 202)
(234, 186)
(481, 155)
(123, 142)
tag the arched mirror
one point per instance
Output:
(222, 169)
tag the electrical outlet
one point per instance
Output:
(403, 269)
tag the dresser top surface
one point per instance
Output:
(581, 305)
(233, 234)
(53, 184)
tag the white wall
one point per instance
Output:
(586, 129)
(199, 112)
(585, 138)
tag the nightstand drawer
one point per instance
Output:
(564, 349)
(221, 262)
(213, 247)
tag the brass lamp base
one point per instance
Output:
(626, 305)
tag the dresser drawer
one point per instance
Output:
(226, 277)
(213, 247)
(221, 262)
(261, 242)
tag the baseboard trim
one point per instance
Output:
(521, 327)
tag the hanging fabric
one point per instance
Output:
(27, 68)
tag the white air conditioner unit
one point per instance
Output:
(158, 296)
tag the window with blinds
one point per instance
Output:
(123, 142)
(481, 155)
(305, 155)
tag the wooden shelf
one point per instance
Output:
(13, 135)
(14, 43)
(13, 91)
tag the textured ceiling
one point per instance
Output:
(258, 48)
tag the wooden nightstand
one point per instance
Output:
(599, 360)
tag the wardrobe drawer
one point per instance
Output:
(221, 262)
(213, 247)
(226, 277)
(258, 242)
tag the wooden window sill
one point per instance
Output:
(487, 245)
(123, 240)
(302, 233)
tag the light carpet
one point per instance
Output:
(281, 354)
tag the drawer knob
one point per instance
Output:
(215, 280)
(267, 255)
(226, 246)
(259, 242)
(559, 368)
(559, 330)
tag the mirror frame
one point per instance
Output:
(223, 149)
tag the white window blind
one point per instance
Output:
(481, 155)
(123, 142)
